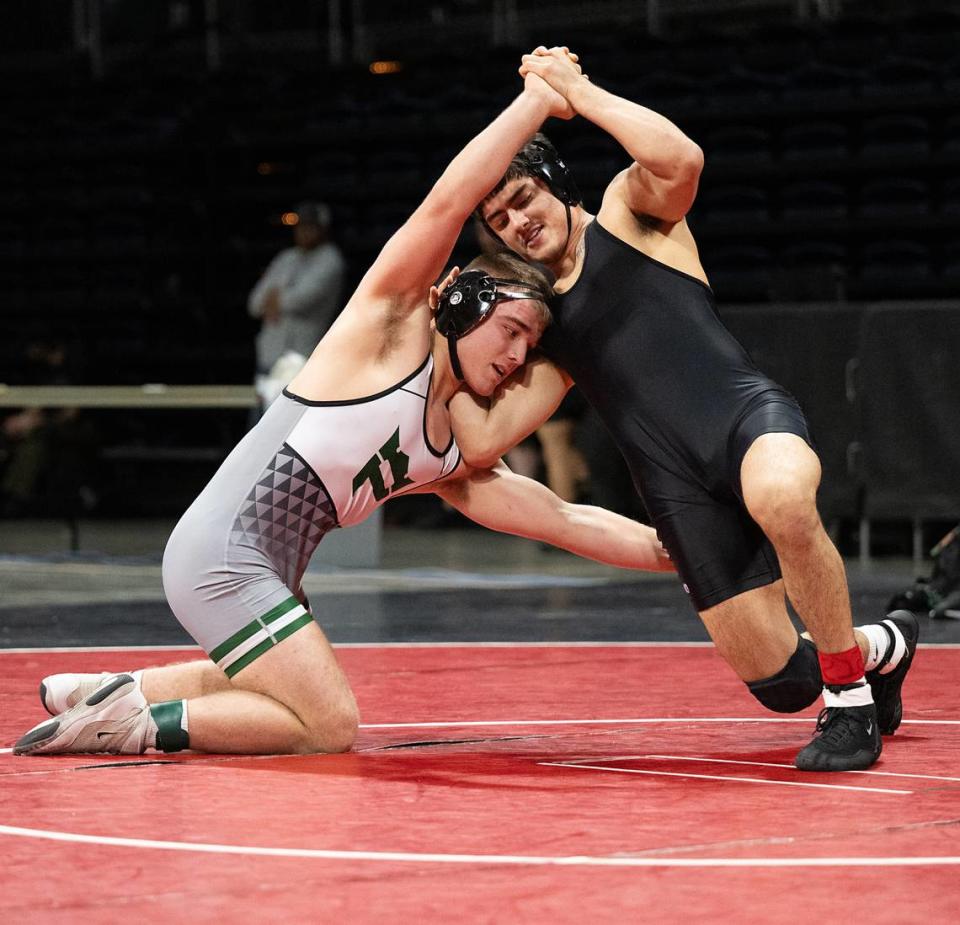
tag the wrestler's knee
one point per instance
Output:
(784, 505)
(795, 686)
(335, 731)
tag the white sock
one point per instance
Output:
(883, 638)
(151, 736)
(859, 696)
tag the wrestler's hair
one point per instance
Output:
(522, 165)
(505, 265)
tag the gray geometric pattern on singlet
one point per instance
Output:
(285, 515)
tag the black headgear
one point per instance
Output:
(469, 300)
(545, 162)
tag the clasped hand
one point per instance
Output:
(557, 70)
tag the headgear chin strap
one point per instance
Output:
(469, 300)
(552, 170)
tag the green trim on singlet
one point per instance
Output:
(260, 635)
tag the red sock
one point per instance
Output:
(841, 667)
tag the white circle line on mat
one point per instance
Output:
(479, 859)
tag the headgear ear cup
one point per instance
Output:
(469, 300)
(555, 173)
(461, 306)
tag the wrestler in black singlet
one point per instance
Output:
(683, 402)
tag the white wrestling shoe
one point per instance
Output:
(115, 719)
(59, 692)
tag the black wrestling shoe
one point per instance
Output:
(886, 687)
(847, 739)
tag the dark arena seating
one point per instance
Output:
(147, 157)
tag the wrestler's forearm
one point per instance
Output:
(486, 429)
(476, 439)
(598, 534)
(510, 503)
(652, 140)
(419, 250)
(483, 161)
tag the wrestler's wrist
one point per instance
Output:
(538, 95)
(581, 94)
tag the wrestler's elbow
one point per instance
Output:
(692, 161)
(479, 453)
(679, 189)
(688, 179)
(683, 189)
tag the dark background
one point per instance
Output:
(148, 149)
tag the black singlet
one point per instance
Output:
(645, 345)
(683, 402)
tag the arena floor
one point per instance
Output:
(543, 739)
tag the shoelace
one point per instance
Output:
(830, 726)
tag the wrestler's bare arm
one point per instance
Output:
(417, 253)
(662, 182)
(387, 319)
(486, 428)
(509, 503)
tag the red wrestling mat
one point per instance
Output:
(497, 784)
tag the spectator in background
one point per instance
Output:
(298, 296)
(566, 468)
